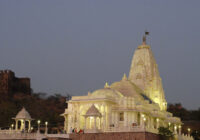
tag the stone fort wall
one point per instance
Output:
(9, 84)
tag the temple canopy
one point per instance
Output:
(23, 116)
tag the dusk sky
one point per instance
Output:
(75, 46)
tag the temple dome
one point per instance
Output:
(127, 88)
(107, 92)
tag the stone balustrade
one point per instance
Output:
(20, 136)
(12, 134)
(184, 137)
(132, 129)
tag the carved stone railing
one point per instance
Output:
(131, 129)
(17, 135)
(12, 134)
(184, 137)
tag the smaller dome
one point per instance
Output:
(93, 111)
(107, 92)
(127, 88)
(23, 114)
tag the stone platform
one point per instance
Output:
(115, 136)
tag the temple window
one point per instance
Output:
(121, 116)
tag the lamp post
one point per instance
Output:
(38, 126)
(189, 131)
(169, 124)
(31, 129)
(175, 129)
(179, 129)
(12, 125)
(46, 129)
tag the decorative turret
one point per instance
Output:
(106, 85)
(144, 73)
(124, 78)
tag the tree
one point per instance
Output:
(165, 133)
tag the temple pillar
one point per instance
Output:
(175, 129)
(152, 122)
(116, 119)
(85, 118)
(125, 119)
(16, 124)
(109, 116)
(29, 125)
(21, 127)
(157, 123)
(78, 120)
(66, 122)
(24, 124)
(129, 118)
(70, 123)
(149, 121)
(141, 120)
(134, 117)
(95, 127)
(179, 129)
(104, 117)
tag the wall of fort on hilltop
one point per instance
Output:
(9, 84)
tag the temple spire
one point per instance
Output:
(144, 73)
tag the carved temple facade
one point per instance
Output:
(135, 103)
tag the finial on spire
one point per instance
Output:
(106, 85)
(124, 78)
(144, 38)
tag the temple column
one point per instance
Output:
(95, 123)
(84, 127)
(104, 117)
(24, 124)
(152, 123)
(78, 120)
(129, 118)
(157, 123)
(115, 118)
(125, 119)
(141, 120)
(16, 124)
(179, 129)
(70, 122)
(175, 129)
(109, 116)
(134, 117)
(21, 127)
(99, 122)
(149, 121)
(66, 122)
(29, 125)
